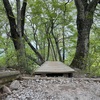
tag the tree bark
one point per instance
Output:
(21, 56)
(16, 34)
(11, 18)
(85, 14)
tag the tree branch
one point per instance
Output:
(12, 22)
(10, 14)
(80, 8)
(92, 5)
(23, 11)
(33, 59)
(32, 47)
(79, 5)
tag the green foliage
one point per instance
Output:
(31, 67)
(39, 18)
(94, 54)
(2, 62)
(9, 59)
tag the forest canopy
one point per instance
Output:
(35, 31)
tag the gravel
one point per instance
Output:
(56, 88)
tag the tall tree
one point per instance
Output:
(17, 32)
(17, 29)
(21, 52)
(85, 12)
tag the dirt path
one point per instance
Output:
(58, 88)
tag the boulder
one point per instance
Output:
(15, 85)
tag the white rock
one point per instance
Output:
(15, 85)
(56, 89)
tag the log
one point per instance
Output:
(8, 76)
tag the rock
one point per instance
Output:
(15, 85)
(56, 89)
(6, 90)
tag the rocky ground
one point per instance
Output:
(55, 88)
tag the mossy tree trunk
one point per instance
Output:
(85, 12)
(17, 30)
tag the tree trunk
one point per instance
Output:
(85, 13)
(16, 34)
(82, 49)
(21, 56)
(56, 41)
(63, 33)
